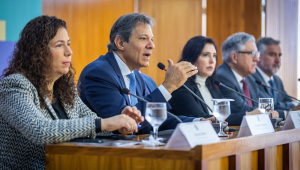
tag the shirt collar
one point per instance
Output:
(200, 80)
(238, 77)
(123, 67)
(264, 75)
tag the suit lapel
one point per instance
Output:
(260, 78)
(197, 92)
(111, 59)
(233, 79)
(140, 84)
(50, 109)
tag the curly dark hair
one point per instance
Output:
(32, 58)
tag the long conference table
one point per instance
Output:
(279, 150)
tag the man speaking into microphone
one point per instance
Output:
(267, 67)
(130, 48)
(240, 56)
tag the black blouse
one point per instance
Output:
(61, 113)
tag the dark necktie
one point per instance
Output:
(272, 83)
(246, 92)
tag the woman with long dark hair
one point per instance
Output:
(39, 101)
(202, 52)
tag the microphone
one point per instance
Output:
(218, 83)
(127, 91)
(278, 91)
(162, 67)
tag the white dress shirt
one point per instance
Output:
(200, 81)
(265, 77)
(238, 78)
(125, 71)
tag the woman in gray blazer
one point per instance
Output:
(39, 102)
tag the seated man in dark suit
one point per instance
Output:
(240, 56)
(130, 47)
(267, 67)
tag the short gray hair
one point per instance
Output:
(124, 27)
(234, 43)
(263, 41)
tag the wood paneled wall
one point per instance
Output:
(282, 24)
(176, 21)
(89, 23)
(226, 17)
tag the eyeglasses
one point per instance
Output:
(253, 53)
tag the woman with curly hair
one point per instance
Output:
(39, 102)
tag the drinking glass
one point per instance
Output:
(265, 105)
(221, 110)
(156, 114)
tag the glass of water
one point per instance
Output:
(265, 105)
(221, 110)
(156, 114)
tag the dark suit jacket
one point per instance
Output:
(184, 103)
(283, 102)
(149, 82)
(239, 106)
(101, 84)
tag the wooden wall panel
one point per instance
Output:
(176, 21)
(225, 18)
(89, 23)
(282, 24)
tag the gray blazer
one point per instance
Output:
(25, 128)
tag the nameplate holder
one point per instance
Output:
(255, 125)
(292, 121)
(187, 135)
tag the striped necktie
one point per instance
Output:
(132, 88)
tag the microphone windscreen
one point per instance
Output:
(259, 82)
(125, 91)
(161, 66)
(217, 82)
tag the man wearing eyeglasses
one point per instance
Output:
(266, 69)
(240, 57)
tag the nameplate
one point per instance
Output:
(255, 125)
(187, 135)
(292, 121)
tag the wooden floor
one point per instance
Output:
(279, 150)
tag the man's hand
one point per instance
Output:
(177, 74)
(275, 114)
(134, 113)
(254, 112)
(211, 119)
(122, 121)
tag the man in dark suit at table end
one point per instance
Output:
(130, 48)
(240, 56)
(267, 67)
